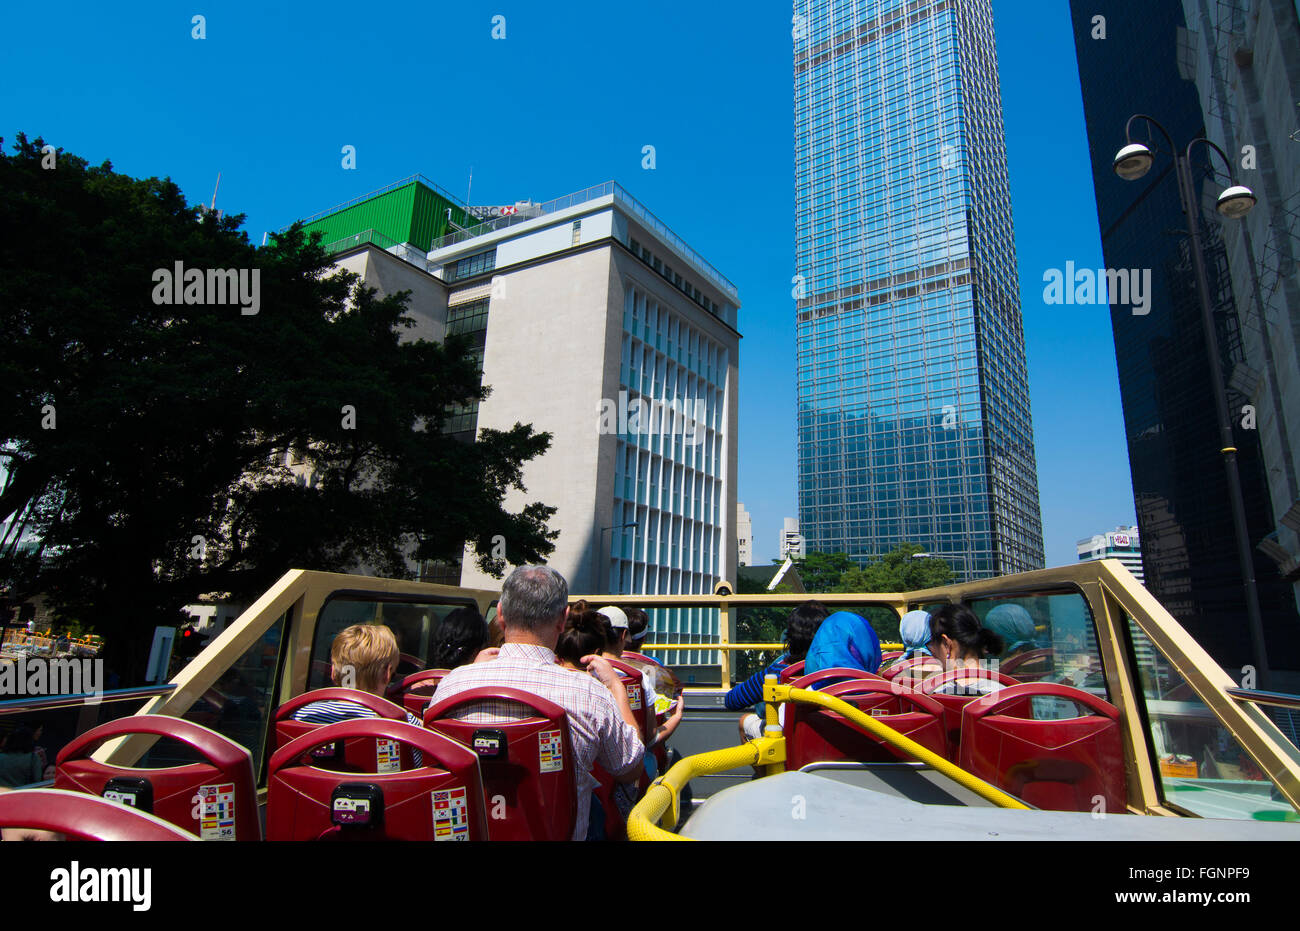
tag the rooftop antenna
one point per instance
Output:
(469, 189)
(214, 193)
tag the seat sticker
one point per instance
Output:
(217, 816)
(122, 797)
(389, 754)
(552, 751)
(450, 815)
(634, 697)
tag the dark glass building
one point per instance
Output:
(1183, 507)
(913, 401)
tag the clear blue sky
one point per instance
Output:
(567, 100)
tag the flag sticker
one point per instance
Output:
(217, 815)
(634, 697)
(552, 751)
(450, 815)
(389, 754)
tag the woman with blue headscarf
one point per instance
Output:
(914, 631)
(847, 640)
(1013, 624)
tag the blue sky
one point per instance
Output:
(568, 99)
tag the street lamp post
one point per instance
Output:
(1132, 162)
(600, 546)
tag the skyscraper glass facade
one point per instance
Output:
(1180, 489)
(913, 403)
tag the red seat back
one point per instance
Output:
(415, 691)
(887, 658)
(816, 734)
(530, 785)
(1029, 665)
(953, 705)
(78, 816)
(440, 800)
(790, 673)
(216, 799)
(1061, 765)
(916, 669)
(366, 756)
(822, 678)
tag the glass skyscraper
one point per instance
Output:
(913, 401)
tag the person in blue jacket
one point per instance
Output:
(800, 629)
(847, 640)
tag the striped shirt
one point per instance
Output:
(596, 729)
(333, 711)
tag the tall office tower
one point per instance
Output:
(913, 405)
(596, 323)
(1122, 543)
(1189, 552)
(1244, 56)
(744, 537)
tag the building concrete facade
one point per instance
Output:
(595, 323)
(744, 537)
(792, 543)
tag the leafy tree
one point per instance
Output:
(757, 625)
(821, 572)
(160, 451)
(897, 571)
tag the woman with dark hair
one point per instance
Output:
(583, 635)
(459, 638)
(959, 641)
(800, 629)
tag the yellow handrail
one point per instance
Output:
(777, 693)
(769, 751)
(886, 647)
(662, 796)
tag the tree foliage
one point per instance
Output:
(160, 452)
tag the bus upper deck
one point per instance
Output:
(1109, 707)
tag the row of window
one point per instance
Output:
(674, 278)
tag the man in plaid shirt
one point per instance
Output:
(533, 607)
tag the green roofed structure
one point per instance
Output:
(413, 210)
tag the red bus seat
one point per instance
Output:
(887, 658)
(789, 673)
(216, 799)
(914, 669)
(441, 800)
(78, 816)
(368, 756)
(1038, 663)
(527, 765)
(825, 677)
(647, 722)
(1060, 765)
(416, 690)
(816, 735)
(954, 704)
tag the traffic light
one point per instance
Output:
(189, 644)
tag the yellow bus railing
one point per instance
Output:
(659, 806)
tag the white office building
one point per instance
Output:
(744, 537)
(792, 541)
(1121, 543)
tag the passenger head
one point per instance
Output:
(957, 637)
(638, 625)
(583, 635)
(615, 631)
(533, 604)
(364, 656)
(1013, 624)
(459, 638)
(801, 627)
(844, 639)
(914, 631)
